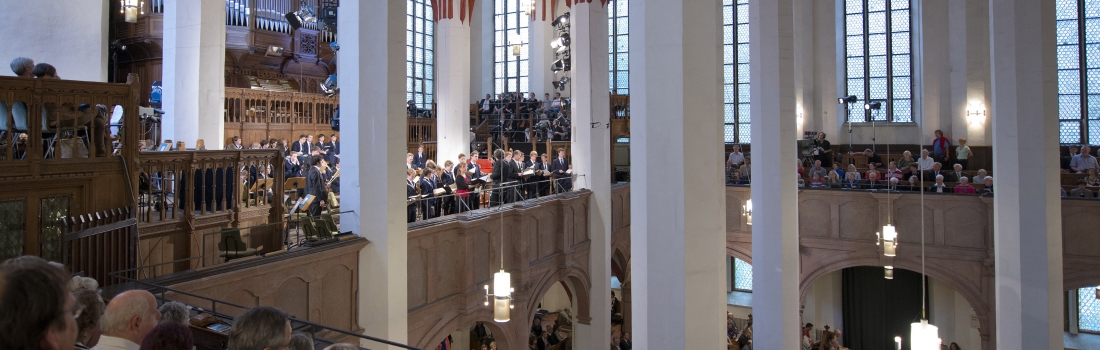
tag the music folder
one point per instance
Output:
(481, 180)
(528, 172)
(438, 192)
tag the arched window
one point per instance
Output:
(742, 275)
(509, 70)
(1088, 310)
(419, 53)
(878, 58)
(735, 69)
(618, 57)
(1078, 23)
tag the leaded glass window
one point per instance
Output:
(13, 228)
(419, 53)
(878, 55)
(1088, 310)
(1078, 30)
(510, 71)
(618, 56)
(52, 211)
(735, 70)
(742, 275)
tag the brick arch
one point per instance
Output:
(969, 289)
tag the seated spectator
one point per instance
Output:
(746, 170)
(906, 159)
(36, 308)
(818, 170)
(736, 179)
(342, 346)
(1092, 179)
(91, 309)
(839, 172)
(925, 162)
(937, 170)
(1081, 163)
(801, 181)
(128, 319)
(22, 67)
(1081, 191)
(817, 181)
(798, 167)
(261, 328)
(964, 186)
(958, 174)
(1065, 160)
(872, 180)
(235, 144)
(45, 71)
(873, 159)
(892, 184)
(174, 311)
(980, 178)
(851, 180)
(910, 171)
(169, 336)
(736, 158)
(939, 186)
(913, 184)
(892, 172)
(833, 181)
(988, 189)
(300, 341)
(852, 170)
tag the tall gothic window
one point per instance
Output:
(735, 64)
(1088, 310)
(1078, 70)
(618, 56)
(419, 53)
(878, 59)
(742, 275)
(509, 70)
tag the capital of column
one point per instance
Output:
(445, 9)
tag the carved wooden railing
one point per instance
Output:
(98, 244)
(259, 115)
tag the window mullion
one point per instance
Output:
(889, 62)
(866, 58)
(1083, 73)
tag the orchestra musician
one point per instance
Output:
(315, 185)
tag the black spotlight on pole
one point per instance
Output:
(562, 22)
(876, 105)
(303, 16)
(561, 83)
(561, 65)
(847, 99)
(561, 43)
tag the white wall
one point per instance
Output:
(556, 298)
(956, 320)
(824, 303)
(71, 35)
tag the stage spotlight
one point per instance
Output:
(847, 99)
(873, 105)
(561, 65)
(561, 43)
(562, 21)
(329, 87)
(302, 17)
(561, 83)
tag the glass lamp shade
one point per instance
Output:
(889, 233)
(923, 336)
(130, 9)
(502, 300)
(889, 272)
(748, 211)
(502, 309)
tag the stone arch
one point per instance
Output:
(739, 251)
(576, 282)
(970, 290)
(619, 264)
(504, 339)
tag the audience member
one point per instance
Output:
(342, 346)
(260, 328)
(939, 186)
(301, 341)
(736, 158)
(1092, 179)
(818, 170)
(892, 172)
(964, 186)
(937, 170)
(911, 171)
(128, 319)
(988, 189)
(906, 159)
(925, 162)
(872, 180)
(914, 183)
(235, 144)
(45, 71)
(1065, 160)
(168, 336)
(958, 174)
(962, 153)
(174, 311)
(851, 180)
(980, 178)
(833, 181)
(940, 147)
(22, 67)
(852, 170)
(873, 159)
(36, 309)
(817, 181)
(839, 172)
(1083, 162)
(1081, 191)
(91, 309)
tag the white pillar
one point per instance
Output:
(372, 85)
(774, 193)
(968, 23)
(1027, 210)
(677, 197)
(591, 157)
(452, 85)
(194, 72)
(542, 56)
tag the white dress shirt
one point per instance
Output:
(112, 343)
(925, 163)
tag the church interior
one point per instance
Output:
(195, 149)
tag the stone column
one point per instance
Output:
(592, 158)
(774, 193)
(677, 200)
(452, 79)
(969, 53)
(372, 91)
(1027, 212)
(194, 72)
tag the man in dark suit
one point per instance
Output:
(559, 167)
(475, 172)
(315, 185)
(954, 176)
(937, 170)
(293, 168)
(485, 106)
(302, 146)
(419, 158)
(410, 190)
(501, 162)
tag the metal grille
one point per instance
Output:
(52, 212)
(878, 62)
(742, 275)
(419, 53)
(735, 70)
(618, 56)
(1088, 310)
(13, 228)
(510, 72)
